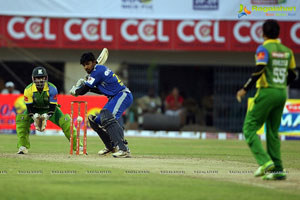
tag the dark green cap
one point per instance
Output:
(39, 72)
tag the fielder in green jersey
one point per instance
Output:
(275, 69)
(41, 102)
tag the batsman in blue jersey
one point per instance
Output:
(102, 80)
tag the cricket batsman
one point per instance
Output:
(103, 81)
(41, 102)
(275, 69)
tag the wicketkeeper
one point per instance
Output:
(103, 81)
(41, 101)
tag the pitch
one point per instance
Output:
(159, 169)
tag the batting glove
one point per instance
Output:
(80, 82)
(73, 91)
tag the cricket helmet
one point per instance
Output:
(39, 77)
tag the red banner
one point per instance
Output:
(135, 34)
(12, 104)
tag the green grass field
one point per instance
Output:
(158, 169)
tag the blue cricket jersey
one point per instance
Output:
(107, 82)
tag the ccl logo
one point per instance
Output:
(34, 28)
(243, 11)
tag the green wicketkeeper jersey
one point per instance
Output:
(278, 59)
(40, 100)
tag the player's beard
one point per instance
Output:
(40, 83)
(89, 71)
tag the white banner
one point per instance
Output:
(285, 10)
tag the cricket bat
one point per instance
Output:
(103, 56)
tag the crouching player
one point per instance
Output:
(41, 102)
(103, 81)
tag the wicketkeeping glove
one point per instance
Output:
(44, 117)
(40, 121)
(35, 118)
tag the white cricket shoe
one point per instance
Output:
(22, 150)
(106, 151)
(121, 154)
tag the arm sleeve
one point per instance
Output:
(52, 95)
(292, 62)
(261, 56)
(261, 59)
(29, 101)
(30, 109)
(95, 90)
(51, 109)
(52, 99)
(82, 90)
(28, 96)
(292, 74)
(259, 70)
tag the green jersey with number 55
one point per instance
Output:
(278, 59)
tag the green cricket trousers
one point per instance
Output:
(23, 122)
(267, 108)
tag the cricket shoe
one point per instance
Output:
(22, 150)
(121, 154)
(107, 151)
(126, 145)
(263, 169)
(275, 176)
